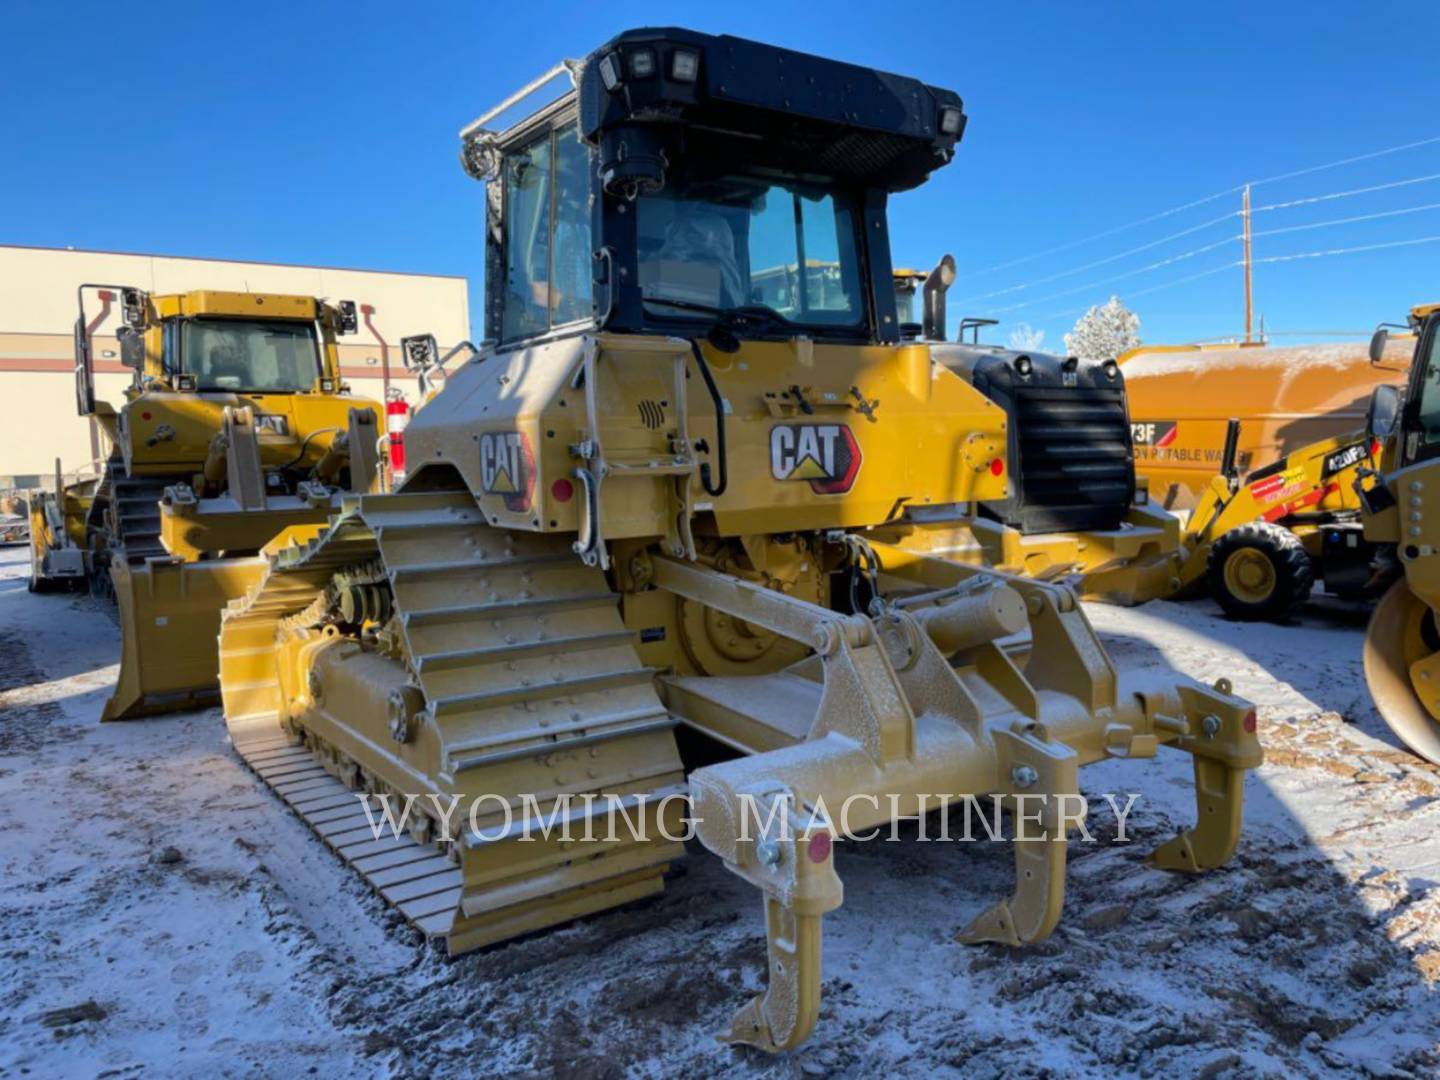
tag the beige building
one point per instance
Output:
(38, 421)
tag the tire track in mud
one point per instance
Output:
(25, 726)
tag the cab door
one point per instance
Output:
(1420, 439)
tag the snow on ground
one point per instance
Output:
(162, 914)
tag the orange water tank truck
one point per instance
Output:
(1183, 397)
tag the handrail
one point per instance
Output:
(476, 126)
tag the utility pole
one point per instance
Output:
(1245, 214)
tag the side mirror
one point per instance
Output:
(132, 348)
(1378, 341)
(420, 352)
(84, 374)
(1384, 413)
(132, 308)
(349, 320)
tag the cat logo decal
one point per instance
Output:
(825, 455)
(507, 468)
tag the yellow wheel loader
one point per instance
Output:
(1261, 533)
(675, 493)
(1401, 514)
(1182, 398)
(1259, 545)
(235, 427)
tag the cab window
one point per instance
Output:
(245, 354)
(1428, 412)
(546, 235)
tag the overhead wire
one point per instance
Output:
(1353, 159)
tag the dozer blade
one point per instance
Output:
(1402, 668)
(490, 668)
(169, 627)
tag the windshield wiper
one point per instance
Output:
(732, 317)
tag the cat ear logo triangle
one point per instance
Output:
(809, 469)
(502, 484)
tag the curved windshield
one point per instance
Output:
(740, 242)
(246, 354)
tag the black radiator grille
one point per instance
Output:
(1075, 467)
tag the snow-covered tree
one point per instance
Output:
(1025, 338)
(1104, 332)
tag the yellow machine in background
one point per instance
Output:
(1264, 529)
(1073, 507)
(682, 487)
(1182, 399)
(1401, 513)
(235, 427)
(57, 530)
(1260, 544)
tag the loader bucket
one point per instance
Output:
(169, 629)
(1402, 667)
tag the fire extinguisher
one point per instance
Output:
(397, 415)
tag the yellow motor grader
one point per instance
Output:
(235, 427)
(662, 498)
(1401, 514)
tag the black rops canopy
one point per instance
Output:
(776, 108)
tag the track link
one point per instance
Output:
(530, 684)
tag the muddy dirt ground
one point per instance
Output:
(162, 914)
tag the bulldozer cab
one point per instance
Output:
(209, 341)
(740, 209)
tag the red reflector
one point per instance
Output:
(144, 416)
(562, 490)
(1250, 721)
(819, 847)
(997, 467)
(1375, 448)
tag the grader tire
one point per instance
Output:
(1259, 572)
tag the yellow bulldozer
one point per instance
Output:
(673, 496)
(57, 530)
(236, 426)
(1402, 643)
(1074, 506)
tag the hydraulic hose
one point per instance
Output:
(717, 489)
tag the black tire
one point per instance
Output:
(1290, 575)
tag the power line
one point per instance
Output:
(1202, 201)
(1119, 277)
(1346, 161)
(1012, 289)
(1101, 262)
(1269, 259)
(1347, 220)
(1349, 250)
(1346, 194)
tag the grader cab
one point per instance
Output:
(672, 492)
(235, 427)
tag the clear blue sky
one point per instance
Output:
(326, 133)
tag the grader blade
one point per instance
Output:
(1402, 668)
(169, 614)
(414, 650)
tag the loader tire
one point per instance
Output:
(1259, 572)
